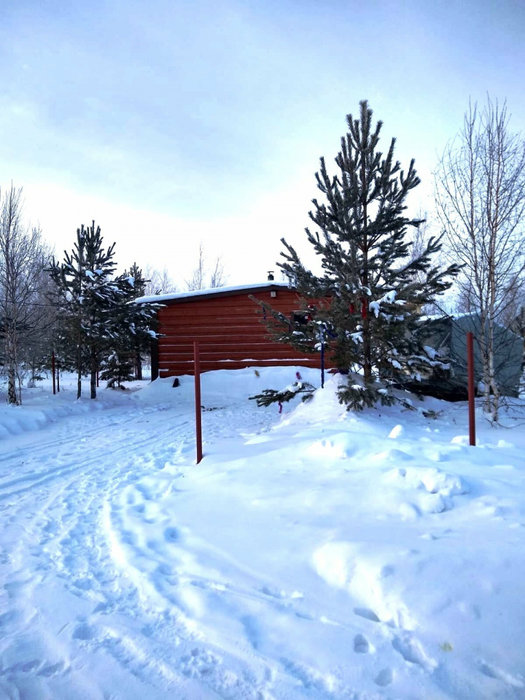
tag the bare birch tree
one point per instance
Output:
(158, 282)
(197, 278)
(217, 276)
(480, 197)
(22, 259)
(200, 278)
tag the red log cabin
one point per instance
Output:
(228, 324)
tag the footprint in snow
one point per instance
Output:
(367, 613)
(84, 583)
(501, 675)
(384, 677)
(271, 592)
(387, 571)
(313, 680)
(146, 493)
(24, 666)
(252, 630)
(361, 644)
(165, 570)
(51, 527)
(412, 651)
(84, 632)
(171, 534)
(199, 662)
(52, 669)
(129, 537)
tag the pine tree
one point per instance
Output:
(298, 388)
(86, 295)
(372, 289)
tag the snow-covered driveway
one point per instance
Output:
(65, 494)
(330, 556)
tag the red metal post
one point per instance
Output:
(197, 373)
(53, 371)
(471, 392)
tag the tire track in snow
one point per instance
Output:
(60, 448)
(56, 515)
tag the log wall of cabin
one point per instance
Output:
(230, 331)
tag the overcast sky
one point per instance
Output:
(175, 122)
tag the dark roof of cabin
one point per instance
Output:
(175, 297)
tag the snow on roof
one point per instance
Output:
(159, 298)
(444, 316)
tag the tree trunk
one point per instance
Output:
(94, 370)
(11, 386)
(494, 389)
(483, 342)
(79, 372)
(491, 375)
(367, 342)
(138, 365)
(367, 346)
(11, 357)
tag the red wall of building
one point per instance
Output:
(230, 331)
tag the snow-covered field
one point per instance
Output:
(313, 554)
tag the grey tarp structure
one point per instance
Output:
(448, 336)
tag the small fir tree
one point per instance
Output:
(368, 298)
(116, 368)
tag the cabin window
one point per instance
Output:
(300, 318)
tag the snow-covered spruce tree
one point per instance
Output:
(139, 317)
(373, 290)
(116, 368)
(86, 295)
(132, 330)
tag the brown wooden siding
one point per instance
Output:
(230, 332)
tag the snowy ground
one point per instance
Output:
(316, 554)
